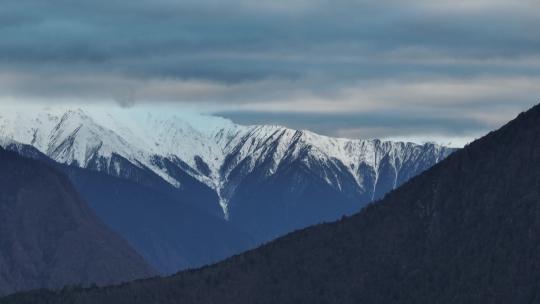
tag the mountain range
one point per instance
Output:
(466, 230)
(187, 189)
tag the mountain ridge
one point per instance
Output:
(465, 231)
(90, 137)
(156, 220)
(263, 181)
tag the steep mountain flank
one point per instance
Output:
(155, 218)
(465, 231)
(266, 180)
(50, 238)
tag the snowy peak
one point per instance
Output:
(271, 145)
(213, 150)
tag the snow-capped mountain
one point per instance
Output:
(228, 158)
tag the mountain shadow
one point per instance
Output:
(161, 222)
(50, 238)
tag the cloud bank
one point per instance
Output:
(356, 68)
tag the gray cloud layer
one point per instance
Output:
(461, 62)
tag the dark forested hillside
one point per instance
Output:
(465, 231)
(50, 238)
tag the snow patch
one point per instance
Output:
(76, 135)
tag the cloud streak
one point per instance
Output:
(442, 59)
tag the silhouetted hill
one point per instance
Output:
(465, 231)
(50, 238)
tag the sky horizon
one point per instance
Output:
(198, 116)
(441, 71)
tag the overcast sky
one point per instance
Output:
(433, 69)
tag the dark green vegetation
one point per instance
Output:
(50, 238)
(465, 231)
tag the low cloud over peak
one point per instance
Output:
(476, 60)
